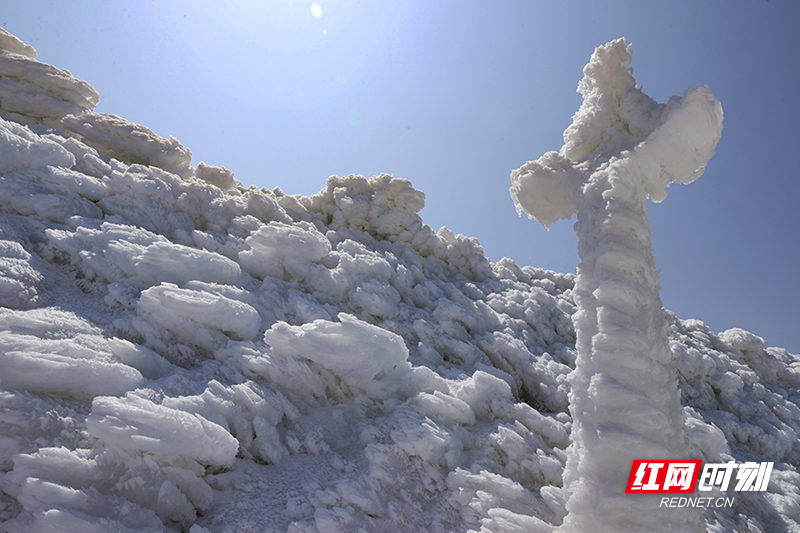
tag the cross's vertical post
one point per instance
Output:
(621, 149)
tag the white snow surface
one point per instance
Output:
(180, 352)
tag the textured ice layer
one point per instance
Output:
(181, 352)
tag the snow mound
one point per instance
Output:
(181, 352)
(35, 92)
(128, 142)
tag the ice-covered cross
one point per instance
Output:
(621, 148)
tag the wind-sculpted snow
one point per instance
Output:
(180, 352)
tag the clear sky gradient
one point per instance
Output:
(453, 96)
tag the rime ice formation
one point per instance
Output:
(180, 352)
(625, 403)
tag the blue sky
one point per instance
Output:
(453, 96)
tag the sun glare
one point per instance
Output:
(316, 11)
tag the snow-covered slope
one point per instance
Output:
(179, 351)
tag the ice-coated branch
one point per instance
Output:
(621, 148)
